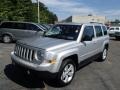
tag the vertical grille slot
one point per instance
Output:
(31, 52)
(24, 53)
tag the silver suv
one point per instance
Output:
(62, 50)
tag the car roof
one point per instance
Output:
(39, 25)
(91, 23)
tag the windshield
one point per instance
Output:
(68, 32)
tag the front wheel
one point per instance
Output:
(67, 72)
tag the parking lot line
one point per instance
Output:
(109, 62)
(45, 86)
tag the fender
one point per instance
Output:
(61, 56)
(7, 33)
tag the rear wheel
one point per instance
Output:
(67, 72)
(7, 39)
(103, 55)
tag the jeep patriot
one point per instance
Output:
(62, 50)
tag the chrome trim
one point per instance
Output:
(27, 56)
(24, 52)
(31, 52)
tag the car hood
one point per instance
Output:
(46, 43)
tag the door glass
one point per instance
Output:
(20, 26)
(98, 30)
(88, 32)
(104, 30)
(6, 25)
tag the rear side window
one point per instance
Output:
(6, 25)
(21, 26)
(104, 30)
(13, 25)
(98, 30)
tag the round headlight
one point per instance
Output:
(40, 55)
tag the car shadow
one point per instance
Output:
(28, 80)
(31, 81)
(22, 78)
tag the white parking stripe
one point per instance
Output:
(45, 86)
(109, 62)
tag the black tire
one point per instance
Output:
(103, 55)
(6, 39)
(65, 64)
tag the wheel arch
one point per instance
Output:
(106, 46)
(10, 34)
(73, 55)
(74, 58)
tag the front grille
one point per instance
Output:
(24, 52)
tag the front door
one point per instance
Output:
(87, 47)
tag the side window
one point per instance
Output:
(104, 30)
(111, 28)
(21, 26)
(6, 25)
(98, 30)
(117, 28)
(33, 27)
(88, 33)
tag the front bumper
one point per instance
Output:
(46, 67)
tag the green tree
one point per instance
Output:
(24, 10)
(16, 10)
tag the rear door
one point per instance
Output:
(99, 38)
(20, 30)
(26, 30)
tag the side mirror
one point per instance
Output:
(87, 38)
